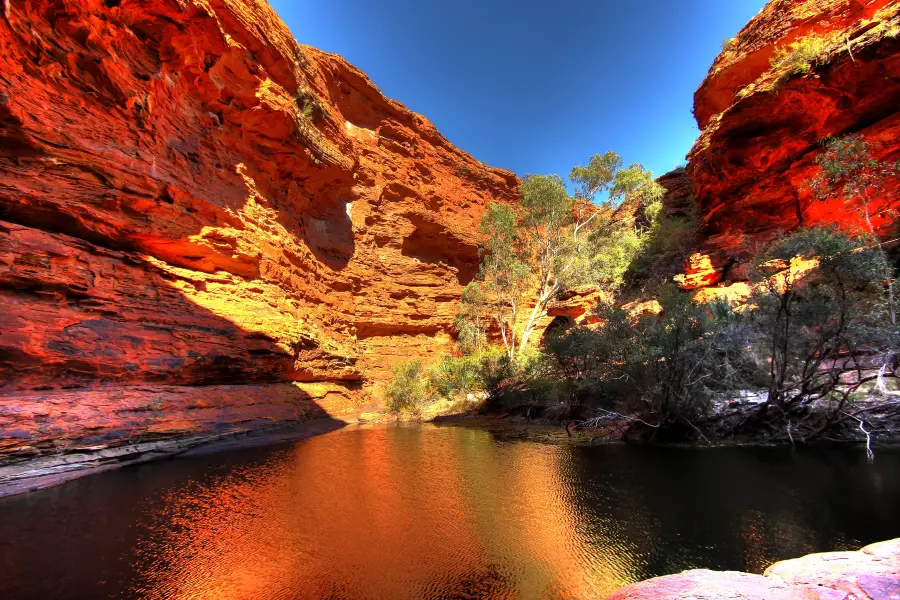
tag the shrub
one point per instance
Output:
(816, 330)
(663, 369)
(800, 56)
(849, 171)
(815, 324)
(527, 379)
(454, 376)
(495, 369)
(309, 105)
(887, 29)
(409, 389)
(669, 242)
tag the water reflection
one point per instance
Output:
(426, 512)
(382, 513)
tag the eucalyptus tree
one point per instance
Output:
(552, 241)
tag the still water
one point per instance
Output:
(436, 512)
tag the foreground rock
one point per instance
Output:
(191, 200)
(872, 573)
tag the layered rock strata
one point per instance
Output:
(763, 126)
(191, 201)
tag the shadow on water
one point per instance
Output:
(426, 512)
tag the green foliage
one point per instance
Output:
(728, 44)
(671, 239)
(551, 242)
(409, 389)
(636, 185)
(510, 383)
(614, 254)
(662, 368)
(886, 29)
(631, 211)
(842, 258)
(807, 324)
(548, 232)
(545, 202)
(596, 177)
(473, 318)
(414, 386)
(454, 376)
(818, 312)
(496, 295)
(847, 170)
(309, 105)
(495, 368)
(800, 56)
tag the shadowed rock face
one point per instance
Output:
(762, 128)
(188, 197)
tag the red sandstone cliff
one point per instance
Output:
(762, 128)
(203, 223)
(205, 226)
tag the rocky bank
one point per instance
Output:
(872, 573)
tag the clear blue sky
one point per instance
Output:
(535, 86)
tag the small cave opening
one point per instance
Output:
(328, 231)
(559, 324)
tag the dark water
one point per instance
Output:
(426, 512)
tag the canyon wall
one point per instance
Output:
(763, 126)
(205, 225)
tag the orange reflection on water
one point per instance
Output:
(382, 513)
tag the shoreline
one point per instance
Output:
(49, 470)
(870, 573)
(33, 474)
(558, 429)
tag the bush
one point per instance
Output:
(800, 56)
(454, 376)
(309, 105)
(414, 386)
(818, 328)
(821, 308)
(409, 389)
(661, 369)
(495, 369)
(669, 242)
(527, 380)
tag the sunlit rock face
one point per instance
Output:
(763, 128)
(188, 197)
